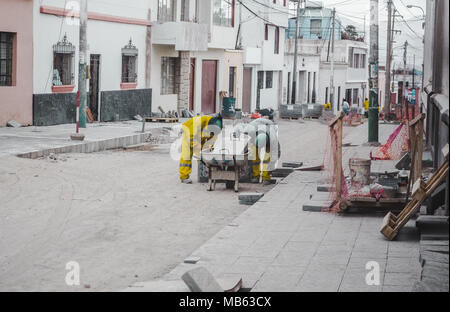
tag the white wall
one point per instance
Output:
(167, 102)
(104, 38)
(307, 63)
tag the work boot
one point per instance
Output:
(267, 182)
(186, 181)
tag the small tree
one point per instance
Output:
(350, 33)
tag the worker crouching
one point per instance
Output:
(264, 149)
(197, 132)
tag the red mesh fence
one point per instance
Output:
(397, 143)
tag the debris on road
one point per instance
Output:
(13, 124)
(292, 164)
(201, 280)
(282, 172)
(249, 198)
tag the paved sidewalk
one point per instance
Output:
(276, 246)
(29, 140)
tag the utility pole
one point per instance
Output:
(82, 75)
(414, 73)
(294, 73)
(373, 73)
(387, 92)
(405, 55)
(332, 62)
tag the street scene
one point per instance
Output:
(224, 146)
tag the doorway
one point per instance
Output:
(247, 90)
(94, 85)
(209, 86)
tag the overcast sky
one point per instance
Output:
(354, 11)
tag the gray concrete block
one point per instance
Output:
(326, 188)
(200, 280)
(13, 124)
(192, 260)
(316, 206)
(250, 197)
(292, 164)
(282, 172)
(433, 224)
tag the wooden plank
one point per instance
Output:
(418, 118)
(418, 198)
(339, 159)
(311, 168)
(419, 144)
(333, 121)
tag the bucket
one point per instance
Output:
(228, 105)
(360, 171)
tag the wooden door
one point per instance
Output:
(247, 90)
(209, 86)
(192, 84)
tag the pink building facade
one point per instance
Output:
(16, 61)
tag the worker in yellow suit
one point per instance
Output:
(261, 153)
(196, 132)
(366, 108)
(327, 106)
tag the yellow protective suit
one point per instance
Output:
(256, 163)
(190, 145)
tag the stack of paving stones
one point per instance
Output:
(291, 111)
(434, 254)
(249, 198)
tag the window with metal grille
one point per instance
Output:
(223, 14)
(63, 63)
(168, 68)
(166, 11)
(129, 74)
(269, 79)
(6, 58)
(316, 27)
(129, 61)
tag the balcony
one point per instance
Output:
(185, 36)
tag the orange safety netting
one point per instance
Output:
(397, 143)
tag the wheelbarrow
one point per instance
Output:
(223, 167)
(225, 159)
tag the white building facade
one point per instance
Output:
(193, 43)
(261, 38)
(116, 37)
(314, 72)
